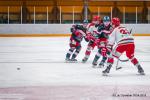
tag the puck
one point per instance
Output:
(18, 68)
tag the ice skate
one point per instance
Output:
(73, 60)
(94, 64)
(67, 60)
(84, 60)
(106, 71)
(101, 64)
(140, 70)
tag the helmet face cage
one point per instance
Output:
(106, 23)
(106, 20)
(85, 23)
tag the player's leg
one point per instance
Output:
(97, 56)
(78, 49)
(70, 51)
(110, 62)
(90, 47)
(103, 53)
(118, 50)
(101, 64)
(130, 55)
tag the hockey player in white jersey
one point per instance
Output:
(92, 34)
(124, 42)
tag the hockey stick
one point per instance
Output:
(117, 67)
(131, 31)
(123, 60)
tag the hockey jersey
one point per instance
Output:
(104, 31)
(92, 31)
(78, 32)
(120, 35)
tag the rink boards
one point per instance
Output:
(50, 35)
(57, 30)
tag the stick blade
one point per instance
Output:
(118, 68)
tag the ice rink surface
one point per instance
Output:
(34, 68)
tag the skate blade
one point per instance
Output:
(142, 74)
(83, 61)
(72, 61)
(67, 61)
(104, 74)
(100, 66)
(94, 66)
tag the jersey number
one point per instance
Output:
(123, 31)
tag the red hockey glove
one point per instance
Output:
(97, 41)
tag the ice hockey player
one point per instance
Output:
(104, 31)
(78, 32)
(92, 32)
(124, 43)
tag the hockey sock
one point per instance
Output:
(88, 51)
(69, 53)
(74, 55)
(76, 52)
(104, 59)
(97, 56)
(67, 56)
(134, 61)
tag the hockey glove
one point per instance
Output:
(104, 51)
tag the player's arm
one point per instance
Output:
(88, 34)
(111, 40)
(103, 35)
(72, 29)
(100, 28)
(112, 37)
(86, 38)
(76, 37)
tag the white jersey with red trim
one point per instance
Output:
(120, 35)
(92, 29)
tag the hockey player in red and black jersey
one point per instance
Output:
(91, 36)
(104, 30)
(78, 32)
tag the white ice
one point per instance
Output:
(42, 63)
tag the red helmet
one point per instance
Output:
(115, 21)
(96, 18)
